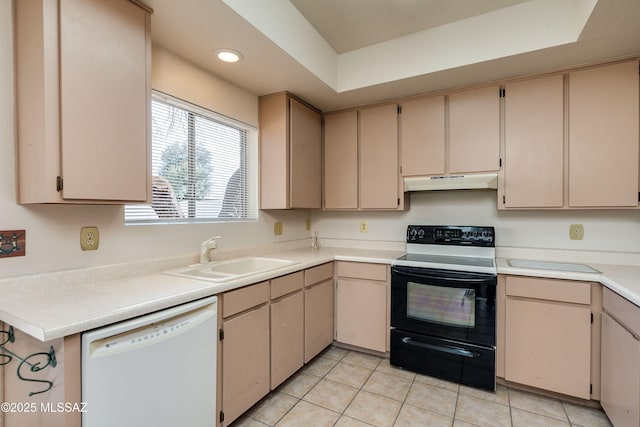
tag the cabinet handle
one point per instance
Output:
(443, 348)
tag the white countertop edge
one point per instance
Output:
(30, 316)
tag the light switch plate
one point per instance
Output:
(277, 228)
(13, 243)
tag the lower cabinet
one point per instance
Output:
(245, 349)
(64, 376)
(620, 394)
(548, 335)
(318, 310)
(362, 311)
(287, 327)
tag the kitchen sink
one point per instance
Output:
(549, 265)
(223, 271)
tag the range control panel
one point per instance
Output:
(451, 235)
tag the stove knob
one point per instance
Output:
(421, 233)
(412, 233)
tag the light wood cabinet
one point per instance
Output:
(83, 117)
(548, 335)
(620, 397)
(245, 349)
(603, 136)
(451, 134)
(65, 377)
(534, 144)
(474, 130)
(290, 153)
(318, 309)
(362, 317)
(423, 136)
(341, 160)
(361, 169)
(379, 173)
(287, 327)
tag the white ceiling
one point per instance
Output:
(341, 53)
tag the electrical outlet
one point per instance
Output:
(364, 227)
(89, 238)
(576, 231)
(277, 228)
(308, 224)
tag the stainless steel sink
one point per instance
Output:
(223, 271)
(550, 265)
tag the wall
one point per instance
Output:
(604, 230)
(53, 231)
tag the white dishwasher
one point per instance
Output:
(156, 370)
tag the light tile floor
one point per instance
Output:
(346, 388)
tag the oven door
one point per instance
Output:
(448, 304)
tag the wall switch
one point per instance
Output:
(277, 228)
(308, 226)
(12, 243)
(576, 231)
(364, 227)
(89, 238)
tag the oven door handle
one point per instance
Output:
(443, 348)
(446, 279)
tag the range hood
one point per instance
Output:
(451, 182)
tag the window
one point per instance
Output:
(203, 165)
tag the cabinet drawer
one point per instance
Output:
(286, 284)
(359, 270)
(318, 274)
(244, 298)
(549, 289)
(622, 310)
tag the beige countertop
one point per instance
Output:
(58, 306)
(68, 309)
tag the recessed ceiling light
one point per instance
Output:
(229, 55)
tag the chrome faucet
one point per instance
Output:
(205, 248)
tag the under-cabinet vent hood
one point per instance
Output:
(451, 182)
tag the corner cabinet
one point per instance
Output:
(83, 116)
(620, 360)
(290, 153)
(361, 170)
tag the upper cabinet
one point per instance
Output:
(83, 101)
(423, 136)
(534, 153)
(361, 169)
(452, 134)
(290, 153)
(474, 130)
(603, 136)
(571, 141)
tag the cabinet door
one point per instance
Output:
(620, 374)
(603, 136)
(474, 130)
(534, 151)
(361, 313)
(379, 158)
(318, 318)
(274, 151)
(105, 108)
(548, 346)
(341, 160)
(287, 337)
(245, 362)
(422, 137)
(65, 376)
(306, 156)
